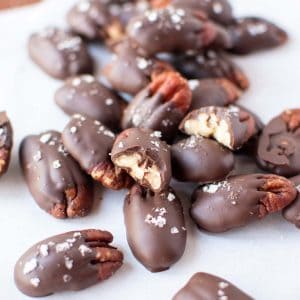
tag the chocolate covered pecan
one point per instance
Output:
(230, 126)
(54, 178)
(144, 157)
(292, 212)
(252, 34)
(212, 92)
(155, 227)
(87, 96)
(70, 261)
(6, 142)
(160, 106)
(278, 148)
(90, 143)
(210, 64)
(210, 287)
(239, 200)
(129, 72)
(174, 30)
(59, 53)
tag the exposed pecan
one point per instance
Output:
(292, 118)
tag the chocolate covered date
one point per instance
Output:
(230, 126)
(155, 227)
(198, 159)
(130, 72)
(144, 157)
(252, 34)
(90, 143)
(54, 178)
(87, 96)
(70, 261)
(278, 148)
(160, 106)
(239, 200)
(6, 142)
(212, 92)
(210, 287)
(59, 53)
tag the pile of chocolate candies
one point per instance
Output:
(170, 58)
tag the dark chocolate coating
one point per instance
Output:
(240, 125)
(198, 159)
(244, 164)
(278, 148)
(153, 154)
(203, 286)
(213, 92)
(251, 34)
(154, 227)
(6, 142)
(292, 212)
(172, 30)
(85, 95)
(67, 262)
(211, 64)
(239, 200)
(59, 53)
(129, 72)
(54, 178)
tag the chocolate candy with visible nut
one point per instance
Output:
(59, 53)
(6, 142)
(129, 72)
(155, 227)
(54, 178)
(278, 148)
(231, 126)
(239, 200)
(198, 159)
(144, 157)
(292, 212)
(160, 106)
(171, 30)
(70, 261)
(210, 287)
(210, 64)
(213, 92)
(252, 34)
(87, 96)
(90, 143)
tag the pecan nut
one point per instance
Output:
(160, 106)
(67, 262)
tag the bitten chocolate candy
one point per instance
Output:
(6, 142)
(129, 72)
(292, 212)
(54, 178)
(218, 10)
(212, 92)
(59, 53)
(67, 262)
(278, 148)
(230, 126)
(90, 143)
(209, 287)
(252, 34)
(155, 227)
(174, 30)
(144, 157)
(211, 64)
(199, 159)
(160, 106)
(85, 95)
(239, 200)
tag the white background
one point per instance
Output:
(262, 258)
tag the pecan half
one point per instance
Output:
(67, 262)
(292, 119)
